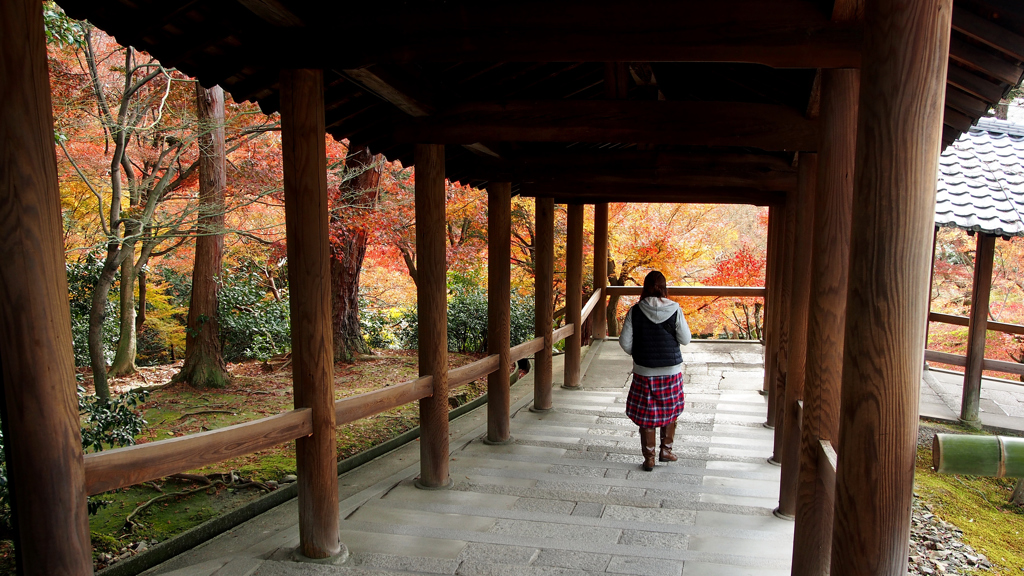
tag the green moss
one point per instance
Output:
(980, 507)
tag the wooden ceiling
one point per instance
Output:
(584, 100)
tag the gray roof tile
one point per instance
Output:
(981, 180)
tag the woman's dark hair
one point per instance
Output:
(654, 285)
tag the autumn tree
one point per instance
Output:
(204, 360)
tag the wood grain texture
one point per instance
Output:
(563, 332)
(898, 138)
(984, 257)
(764, 126)
(120, 467)
(945, 358)
(306, 212)
(432, 303)
(700, 291)
(367, 404)
(798, 313)
(499, 256)
(773, 302)
(600, 324)
(520, 351)
(543, 302)
(785, 297)
(989, 33)
(590, 306)
(44, 447)
(573, 293)
(826, 316)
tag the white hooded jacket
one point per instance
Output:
(657, 310)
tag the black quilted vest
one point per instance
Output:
(654, 345)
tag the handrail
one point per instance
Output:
(520, 351)
(562, 333)
(121, 467)
(706, 291)
(594, 299)
(478, 369)
(367, 404)
(965, 321)
(986, 364)
(827, 462)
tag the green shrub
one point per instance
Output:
(253, 325)
(82, 278)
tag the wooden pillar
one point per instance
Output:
(931, 284)
(305, 200)
(830, 260)
(573, 293)
(499, 256)
(600, 313)
(788, 236)
(797, 358)
(44, 447)
(983, 259)
(773, 284)
(432, 305)
(544, 260)
(902, 87)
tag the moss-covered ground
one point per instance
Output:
(256, 391)
(978, 506)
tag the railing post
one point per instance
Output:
(432, 306)
(573, 294)
(797, 358)
(544, 260)
(978, 325)
(788, 238)
(305, 189)
(600, 314)
(899, 125)
(830, 260)
(773, 306)
(499, 256)
(44, 445)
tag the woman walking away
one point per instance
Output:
(651, 334)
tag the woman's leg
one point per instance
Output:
(648, 445)
(668, 436)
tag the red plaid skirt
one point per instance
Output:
(655, 401)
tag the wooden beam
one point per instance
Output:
(798, 313)
(696, 291)
(830, 259)
(305, 188)
(984, 257)
(965, 321)
(945, 358)
(543, 303)
(43, 443)
(499, 256)
(988, 32)
(432, 303)
(786, 299)
(985, 62)
(773, 283)
(764, 126)
(587, 194)
(600, 323)
(973, 84)
(573, 293)
(367, 404)
(959, 100)
(898, 138)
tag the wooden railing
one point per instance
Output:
(120, 467)
(960, 360)
(706, 291)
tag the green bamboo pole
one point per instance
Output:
(996, 456)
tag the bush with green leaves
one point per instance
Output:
(112, 423)
(253, 324)
(82, 278)
(379, 326)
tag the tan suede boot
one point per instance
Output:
(668, 436)
(648, 445)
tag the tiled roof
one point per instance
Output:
(981, 180)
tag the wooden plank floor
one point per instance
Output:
(566, 498)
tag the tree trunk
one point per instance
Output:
(140, 316)
(97, 314)
(613, 300)
(1018, 493)
(124, 357)
(348, 247)
(204, 359)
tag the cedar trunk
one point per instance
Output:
(204, 359)
(127, 343)
(348, 248)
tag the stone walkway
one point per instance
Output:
(566, 498)
(1001, 408)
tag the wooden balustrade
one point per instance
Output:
(965, 321)
(704, 291)
(988, 364)
(590, 305)
(827, 461)
(365, 405)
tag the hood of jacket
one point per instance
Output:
(658, 310)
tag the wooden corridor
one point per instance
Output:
(566, 498)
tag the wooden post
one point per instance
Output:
(544, 260)
(499, 256)
(902, 87)
(788, 236)
(44, 448)
(931, 284)
(827, 316)
(983, 259)
(600, 313)
(772, 304)
(432, 304)
(305, 200)
(797, 359)
(573, 293)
